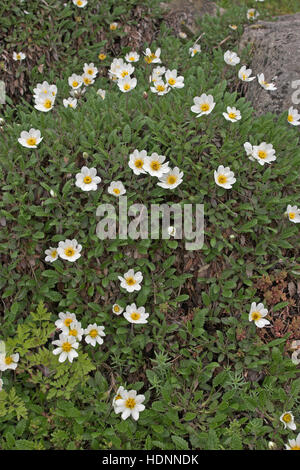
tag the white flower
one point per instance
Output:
(94, 334)
(293, 214)
(119, 395)
(115, 67)
(157, 73)
(80, 3)
(127, 84)
(113, 26)
(245, 74)
(160, 87)
(293, 116)
(287, 419)
(136, 315)
(1, 385)
(132, 56)
(249, 150)
(172, 231)
(87, 179)
(264, 84)
(44, 102)
(117, 309)
(75, 81)
(295, 346)
(30, 139)
(87, 79)
(130, 405)
(44, 88)
(125, 71)
(131, 281)
(204, 104)
(69, 249)
(264, 153)
(137, 161)
(19, 56)
(66, 348)
(152, 56)
(232, 114)
(8, 362)
(172, 79)
(65, 320)
(101, 93)
(194, 50)
(172, 179)
(224, 177)
(52, 254)
(294, 444)
(252, 14)
(155, 166)
(74, 329)
(116, 188)
(90, 70)
(70, 103)
(233, 26)
(182, 35)
(231, 58)
(257, 314)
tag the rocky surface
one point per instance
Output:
(276, 53)
(181, 15)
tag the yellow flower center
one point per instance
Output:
(8, 360)
(130, 281)
(54, 254)
(86, 80)
(222, 179)
(69, 251)
(19, 56)
(124, 73)
(132, 58)
(171, 179)
(232, 115)
(135, 316)
(48, 104)
(90, 71)
(155, 166)
(66, 347)
(113, 27)
(93, 333)
(116, 191)
(102, 56)
(138, 163)
(160, 87)
(287, 418)
(73, 332)
(195, 51)
(75, 84)
(295, 448)
(68, 322)
(87, 179)
(265, 83)
(262, 154)
(126, 86)
(292, 215)
(118, 397)
(130, 403)
(172, 81)
(148, 59)
(251, 13)
(204, 107)
(31, 141)
(255, 316)
(79, 3)
(290, 118)
(116, 308)
(244, 76)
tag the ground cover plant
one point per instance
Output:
(203, 353)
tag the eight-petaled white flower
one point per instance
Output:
(80, 3)
(66, 348)
(44, 89)
(252, 14)
(130, 405)
(87, 79)
(131, 281)
(69, 250)
(74, 329)
(127, 84)
(94, 334)
(264, 153)
(224, 177)
(65, 320)
(232, 114)
(288, 420)
(293, 116)
(126, 70)
(90, 69)
(44, 102)
(9, 361)
(172, 179)
(51, 255)
(160, 87)
(172, 80)
(116, 188)
(117, 309)
(204, 104)
(19, 56)
(257, 314)
(245, 74)
(87, 179)
(75, 81)
(231, 58)
(155, 166)
(132, 57)
(137, 161)
(136, 315)
(293, 214)
(30, 139)
(266, 85)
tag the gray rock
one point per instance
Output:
(276, 53)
